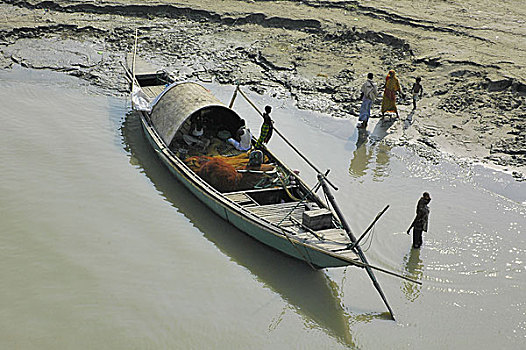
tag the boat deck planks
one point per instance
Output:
(335, 234)
(277, 213)
(153, 91)
(241, 198)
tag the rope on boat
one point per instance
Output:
(297, 205)
(308, 261)
(287, 177)
(355, 244)
(369, 241)
(312, 232)
(294, 208)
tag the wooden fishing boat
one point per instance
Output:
(266, 199)
(272, 205)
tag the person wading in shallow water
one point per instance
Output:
(420, 222)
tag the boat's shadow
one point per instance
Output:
(310, 293)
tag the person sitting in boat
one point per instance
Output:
(197, 134)
(243, 140)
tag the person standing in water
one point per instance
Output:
(368, 94)
(420, 222)
(392, 86)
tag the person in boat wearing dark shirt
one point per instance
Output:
(196, 135)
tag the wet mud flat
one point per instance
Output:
(469, 55)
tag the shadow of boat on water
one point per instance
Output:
(310, 293)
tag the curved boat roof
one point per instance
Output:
(179, 102)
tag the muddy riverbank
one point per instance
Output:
(469, 56)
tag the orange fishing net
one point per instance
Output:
(221, 172)
(238, 162)
(220, 175)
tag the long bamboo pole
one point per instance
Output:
(287, 141)
(347, 229)
(233, 97)
(133, 59)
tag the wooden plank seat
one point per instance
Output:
(246, 197)
(241, 198)
(267, 189)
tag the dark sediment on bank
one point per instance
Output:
(316, 51)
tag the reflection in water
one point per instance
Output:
(361, 155)
(365, 151)
(310, 293)
(381, 169)
(415, 269)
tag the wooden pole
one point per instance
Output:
(347, 229)
(233, 97)
(133, 59)
(288, 142)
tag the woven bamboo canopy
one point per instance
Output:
(181, 102)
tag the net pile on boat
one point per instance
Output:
(237, 162)
(221, 175)
(221, 172)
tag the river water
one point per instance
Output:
(100, 248)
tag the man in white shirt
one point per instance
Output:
(368, 93)
(244, 136)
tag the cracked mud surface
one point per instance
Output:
(470, 54)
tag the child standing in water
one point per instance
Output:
(417, 91)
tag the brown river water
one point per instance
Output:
(100, 248)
